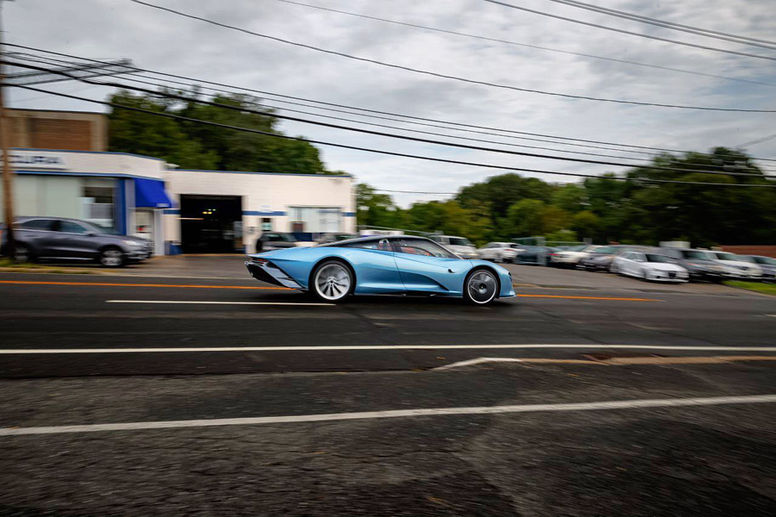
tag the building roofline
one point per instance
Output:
(60, 111)
(270, 173)
(87, 152)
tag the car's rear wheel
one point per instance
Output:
(332, 281)
(480, 287)
(112, 257)
(21, 253)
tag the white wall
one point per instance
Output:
(263, 195)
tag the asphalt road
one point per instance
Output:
(626, 398)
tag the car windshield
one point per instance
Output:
(460, 241)
(281, 237)
(605, 250)
(764, 260)
(577, 248)
(726, 256)
(651, 257)
(98, 228)
(696, 255)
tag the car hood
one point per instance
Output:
(664, 266)
(740, 264)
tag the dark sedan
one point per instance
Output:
(56, 238)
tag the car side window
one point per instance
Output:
(422, 247)
(71, 227)
(382, 245)
(37, 224)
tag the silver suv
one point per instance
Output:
(58, 238)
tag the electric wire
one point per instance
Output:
(452, 77)
(768, 184)
(368, 110)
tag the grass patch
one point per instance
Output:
(753, 286)
(8, 264)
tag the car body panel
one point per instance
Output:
(377, 271)
(54, 244)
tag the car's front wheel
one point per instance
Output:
(332, 281)
(480, 287)
(112, 257)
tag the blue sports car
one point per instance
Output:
(382, 265)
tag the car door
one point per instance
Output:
(37, 235)
(74, 240)
(625, 264)
(427, 267)
(376, 268)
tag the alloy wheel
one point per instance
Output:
(481, 287)
(332, 281)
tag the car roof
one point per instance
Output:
(370, 238)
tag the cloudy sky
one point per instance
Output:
(156, 40)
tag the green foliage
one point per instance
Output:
(198, 146)
(605, 210)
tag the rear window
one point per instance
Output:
(765, 260)
(694, 254)
(726, 256)
(460, 241)
(658, 258)
(36, 224)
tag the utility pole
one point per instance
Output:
(5, 139)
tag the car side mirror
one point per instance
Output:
(91, 234)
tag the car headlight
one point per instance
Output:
(134, 244)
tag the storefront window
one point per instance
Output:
(97, 201)
(315, 219)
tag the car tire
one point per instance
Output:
(112, 257)
(22, 254)
(481, 287)
(332, 281)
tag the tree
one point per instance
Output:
(374, 209)
(193, 145)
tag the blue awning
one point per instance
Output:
(150, 193)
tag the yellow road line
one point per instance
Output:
(116, 284)
(588, 297)
(199, 286)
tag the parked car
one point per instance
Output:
(649, 266)
(382, 265)
(538, 255)
(275, 241)
(461, 246)
(326, 238)
(767, 264)
(699, 264)
(601, 258)
(570, 257)
(498, 252)
(743, 269)
(57, 238)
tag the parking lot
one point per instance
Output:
(182, 386)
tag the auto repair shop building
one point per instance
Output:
(187, 211)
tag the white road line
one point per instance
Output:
(398, 413)
(206, 302)
(309, 348)
(479, 360)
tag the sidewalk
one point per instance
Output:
(169, 266)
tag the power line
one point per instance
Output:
(190, 86)
(415, 192)
(623, 31)
(746, 40)
(447, 76)
(368, 110)
(373, 132)
(393, 153)
(526, 45)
